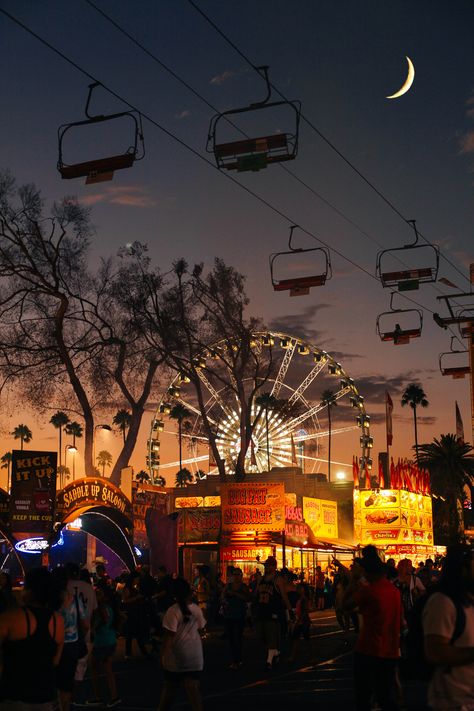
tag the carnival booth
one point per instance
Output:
(397, 518)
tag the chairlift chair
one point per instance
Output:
(101, 169)
(254, 154)
(455, 371)
(396, 334)
(300, 286)
(409, 279)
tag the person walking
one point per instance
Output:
(181, 653)
(302, 626)
(75, 629)
(319, 588)
(235, 597)
(84, 591)
(377, 649)
(31, 639)
(272, 605)
(448, 627)
(104, 628)
(135, 624)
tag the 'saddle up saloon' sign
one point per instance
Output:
(92, 491)
(33, 492)
(253, 506)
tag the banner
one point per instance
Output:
(199, 525)
(321, 516)
(92, 491)
(253, 507)
(142, 500)
(33, 492)
(388, 418)
(459, 426)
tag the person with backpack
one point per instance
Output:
(448, 627)
(234, 610)
(410, 586)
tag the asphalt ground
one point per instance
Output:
(321, 675)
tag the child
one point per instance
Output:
(104, 623)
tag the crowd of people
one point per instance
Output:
(409, 622)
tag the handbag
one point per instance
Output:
(82, 649)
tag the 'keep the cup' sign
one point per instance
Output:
(33, 492)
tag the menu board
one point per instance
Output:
(392, 516)
(321, 516)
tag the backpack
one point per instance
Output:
(414, 664)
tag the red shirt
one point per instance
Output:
(380, 607)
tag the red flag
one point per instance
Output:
(355, 470)
(393, 475)
(381, 475)
(388, 418)
(459, 426)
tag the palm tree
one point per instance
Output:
(160, 481)
(414, 396)
(142, 476)
(59, 420)
(451, 467)
(64, 474)
(6, 461)
(267, 401)
(328, 399)
(104, 459)
(122, 420)
(76, 430)
(180, 413)
(23, 433)
(183, 478)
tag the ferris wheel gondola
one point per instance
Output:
(254, 154)
(101, 169)
(424, 269)
(293, 432)
(301, 284)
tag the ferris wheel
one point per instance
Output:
(289, 409)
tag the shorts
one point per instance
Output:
(270, 632)
(173, 677)
(102, 654)
(66, 669)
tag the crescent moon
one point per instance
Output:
(408, 81)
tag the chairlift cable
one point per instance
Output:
(321, 134)
(196, 93)
(192, 150)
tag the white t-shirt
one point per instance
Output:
(452, 688)
(86, 594)
(185, 653)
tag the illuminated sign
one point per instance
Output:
(33, 492)
(196, 525)
(90, 492)
(321, 516)
(188, 502)
(32, 545)
(234, 553)
(253, 506)
(393, 516)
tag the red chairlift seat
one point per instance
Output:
(101, 169)
(254, 154)
(409, 279)
(456, 370)
(397, 335)
(299, 286)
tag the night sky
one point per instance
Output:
(340, 60)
